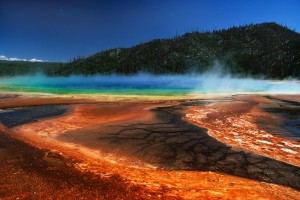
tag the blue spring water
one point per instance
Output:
(145, 84)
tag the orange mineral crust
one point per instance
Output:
(233, 123)
(165, 184)
(17, 100)
(71, 140)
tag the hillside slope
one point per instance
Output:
(17, 68)
(266, 49)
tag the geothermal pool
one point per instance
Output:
(145, 84)
(140, 140)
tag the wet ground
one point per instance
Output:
(173, 144)
(168, 143)
(168, 152)
(289, 113)
(22, 115)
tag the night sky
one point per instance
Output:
(58, 30)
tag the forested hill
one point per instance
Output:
(265, 49)
(18, 68)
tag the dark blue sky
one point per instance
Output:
(58, 30)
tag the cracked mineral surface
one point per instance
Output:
(223, 148)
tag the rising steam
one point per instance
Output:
(216, 80)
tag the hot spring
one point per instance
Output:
(146, 84)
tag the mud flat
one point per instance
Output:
(147, 149)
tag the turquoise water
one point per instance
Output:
(145, 84)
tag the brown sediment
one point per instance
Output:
(62, 135)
